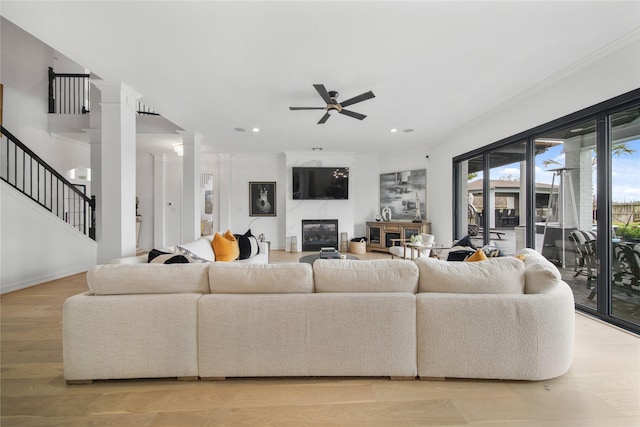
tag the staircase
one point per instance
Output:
(23, 170)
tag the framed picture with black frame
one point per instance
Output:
(262, 199)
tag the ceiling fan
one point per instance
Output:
(332, 104)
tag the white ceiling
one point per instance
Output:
(213, 66)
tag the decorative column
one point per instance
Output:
(158, 200)
(224, 191)
(95, 139)
(191, 193)
(118, 170)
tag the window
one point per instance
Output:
(625, 214)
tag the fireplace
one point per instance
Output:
(319, 233)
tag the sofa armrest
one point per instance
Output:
(492, 336)
(264, 247)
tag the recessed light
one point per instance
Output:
(393, 130)
(239, 129)
(255, 130)
(316, 149)
(408, 130)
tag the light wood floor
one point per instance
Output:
(601, 389)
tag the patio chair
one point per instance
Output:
(584, 244)
(625, 283)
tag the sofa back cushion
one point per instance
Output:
(380, 275)
(119, 279)
(239, 278)
(540, 275)
(504, 275)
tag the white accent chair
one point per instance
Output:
(401, 248)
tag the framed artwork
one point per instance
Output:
(262, 199)
(403, 195)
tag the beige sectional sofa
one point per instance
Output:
(339, 318)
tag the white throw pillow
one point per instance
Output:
(504, 275)
(200, 248)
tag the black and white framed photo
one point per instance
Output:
(262, 199)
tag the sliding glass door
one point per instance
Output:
(569, 189)
(625, 214)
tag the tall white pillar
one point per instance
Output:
(95, 138)
(191, 193)
(118, 173)
(224, 191)
(159, 201)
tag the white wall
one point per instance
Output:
(352, 213)
(602, 77)
(36, 246)
(256, 168)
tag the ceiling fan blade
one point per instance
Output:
(359, 98)
(352, 114)
(324, 118)
(323, 93)
(307, 108)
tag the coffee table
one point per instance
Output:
(311, 258)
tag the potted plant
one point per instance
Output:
(416, 239)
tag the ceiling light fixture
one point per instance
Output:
(239, 129)
(179, 149)
(408, 130)
(316, 149)
(255, 130)
(394, 130)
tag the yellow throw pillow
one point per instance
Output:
(479, 255)
(520, 257)
(225, 247)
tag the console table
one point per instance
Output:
(379, 234)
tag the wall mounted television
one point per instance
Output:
(320, 183)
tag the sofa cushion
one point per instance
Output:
(119, 279)
(225, 247)
(200, 248)
(503, 275)
(540, 274)
(380, 275)
(239, 278)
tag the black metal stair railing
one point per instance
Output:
(28, 173)
(70, 94)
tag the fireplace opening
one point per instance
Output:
(319, 233)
